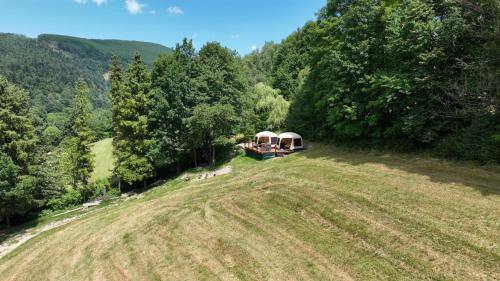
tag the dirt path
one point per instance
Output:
(222, 171)
(17, 240)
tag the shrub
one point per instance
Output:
(71, 198)
(480, 141)
(98, 189)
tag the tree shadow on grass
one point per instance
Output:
(485, 179)
(17, 230)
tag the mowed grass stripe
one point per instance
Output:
(424, 227)
(323, 214)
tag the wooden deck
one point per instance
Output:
(262, 152)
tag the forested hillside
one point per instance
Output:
(47, 67)
(103, 49)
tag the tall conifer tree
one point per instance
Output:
(135, 164)
(83, 137)
(17, 149)
(116, 95)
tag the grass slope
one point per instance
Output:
(322, 214)
(104, 163)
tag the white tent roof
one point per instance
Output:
(266, 134)
(289, 135)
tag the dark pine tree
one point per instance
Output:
(116, 94)
(83, 136)
(17, 151)
(134, 145)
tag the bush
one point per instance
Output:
(113, 192)
(98, 189)
(71, 198)
(224, 150)
(102, 189)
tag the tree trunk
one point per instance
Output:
(144, 184)
(195, 159)
(120, 185)
(7, 221)
(213, 155)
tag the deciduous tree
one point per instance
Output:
(210, 124)
(174, 96)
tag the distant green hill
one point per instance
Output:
(103, 49)
(48, 66)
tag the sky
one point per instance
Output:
(241, 25)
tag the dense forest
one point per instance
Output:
(412, 75)
(402, 74)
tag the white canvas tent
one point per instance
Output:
(290, 140)
(266, 137)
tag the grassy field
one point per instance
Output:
(322, 214)
(103, 151)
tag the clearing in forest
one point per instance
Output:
(103, 157)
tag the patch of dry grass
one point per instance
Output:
(323, 214)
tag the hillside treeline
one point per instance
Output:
(191, 107)
(188, 110)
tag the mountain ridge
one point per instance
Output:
(26, 62)
(108, 47)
